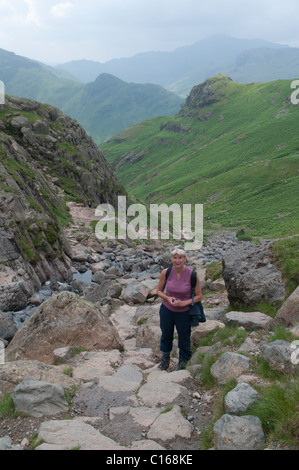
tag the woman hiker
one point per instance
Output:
(174, 311)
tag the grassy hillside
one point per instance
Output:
(108, 105)
(233, 147)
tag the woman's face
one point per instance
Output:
(178, 260)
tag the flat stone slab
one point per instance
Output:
(126, 379)
(157, 394)
(171, 425)
(163, 387)
(169, 377)
(122, 318)
(96, 365)
(73, 434)
(140, 357)
(143, 416)
(249, 320)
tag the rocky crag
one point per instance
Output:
(102, 333)
(46, 159)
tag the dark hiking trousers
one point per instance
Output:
(180, 320)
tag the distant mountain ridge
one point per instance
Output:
(184, 67)
(103, 107)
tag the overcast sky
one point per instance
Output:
(57, 31)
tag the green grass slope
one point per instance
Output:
(233, 147)
(108, 105)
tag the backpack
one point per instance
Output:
(196, 311)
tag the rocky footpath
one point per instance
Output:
(90, 353)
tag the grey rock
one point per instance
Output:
(19, 122)
(5, 443)
(249, 276)
(238, 400)
(239, 433)
(37, 398)
(98, 277)
(126, 379)
(175, 424)
(66, 435)
(7, 327)
(135, 292)
(41, 127)
(230, 365)
(249, 320)
(278, 355)
(288, 314)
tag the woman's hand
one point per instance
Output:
(181, 303)
(171, 300)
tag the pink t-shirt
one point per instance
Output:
(180, 289)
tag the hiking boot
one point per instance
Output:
(164, 364)
(181, 366)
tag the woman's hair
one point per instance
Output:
(178, 250)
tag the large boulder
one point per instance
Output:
(63, 320)
(250, 276)
(288, 314)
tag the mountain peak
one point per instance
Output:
(209, 92)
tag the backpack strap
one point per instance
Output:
(167, 276)
(193, 279)
(193, 284)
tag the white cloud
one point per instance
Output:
(33, 15)
(6, 9)
(60, 10)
